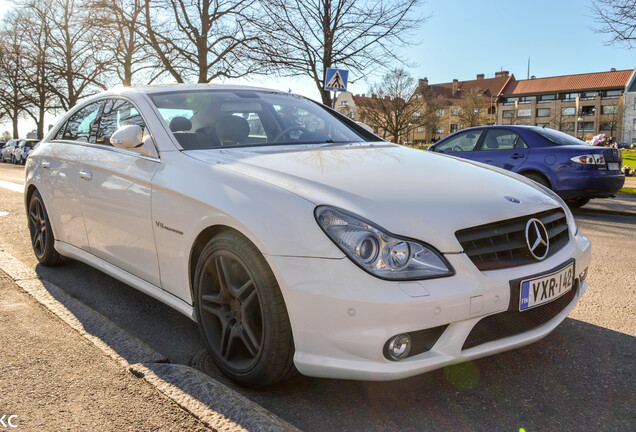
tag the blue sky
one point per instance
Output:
(465, 37)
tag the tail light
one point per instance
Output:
(589, 159)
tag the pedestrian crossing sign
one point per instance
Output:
(336, 79)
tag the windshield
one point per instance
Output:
(557, 137)
(206, 119)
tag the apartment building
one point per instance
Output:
(582, 105)
(629, 112)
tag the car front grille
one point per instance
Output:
(503, 244)
(511, 323)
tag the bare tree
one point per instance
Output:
(432, 104)
(38, 76)
(393, 106)
(121, 25)
(474, 108)
(305, 37)
(74, 58)
(617, 18)
(12, 62)
(201, 40)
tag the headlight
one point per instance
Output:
(568, 213)
(380, 253)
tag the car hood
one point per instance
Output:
(412, 193)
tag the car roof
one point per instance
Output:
(162, 88)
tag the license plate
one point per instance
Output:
(544, 289)
(613, 166)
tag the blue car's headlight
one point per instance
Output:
(380, 253)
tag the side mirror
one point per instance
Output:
(127, 137)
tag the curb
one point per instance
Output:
(216, 405)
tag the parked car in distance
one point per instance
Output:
(8, 149)
(298, 240)
(23, 149)
(574, 170)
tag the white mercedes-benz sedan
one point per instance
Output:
(298, 240)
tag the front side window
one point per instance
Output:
(243, 118)
(502, 139)
(117, 113)
(81, 126)
(463, 142)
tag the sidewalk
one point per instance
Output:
(53, 379)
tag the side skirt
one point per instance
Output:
(147, 288)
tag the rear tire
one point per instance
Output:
(42, 239)
(577, 202)
(241, 312)
(539, 179)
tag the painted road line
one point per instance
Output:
(12, 186)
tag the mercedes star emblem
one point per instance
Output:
(537, 239)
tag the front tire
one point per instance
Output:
(241, 312)
(42, 239)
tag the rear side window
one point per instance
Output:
(81, 126)
(117, 113)
(463, 142)
(502, 139)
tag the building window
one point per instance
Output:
(508, 114)
(511, 101)
(453, 128)
(477, 110)
(527, 99)
(587, 110)
(439, 129)
(543, 112)
(547, 98)
(570, 96)
(523, 113)
(352, 115)
(568, 111)
(416, 114)
(634, 104)
(439, 112)
(344, 103)
(420, 129)
(612, 94)
(567, 126)
(588, 95)
(586, 127)
(609, 109)
(634, 126)
(608, 126)
(455, 111)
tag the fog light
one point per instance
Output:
(399, 347)
(583, 275)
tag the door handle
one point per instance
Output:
(46, 164)
(516, 156)
(86, 175)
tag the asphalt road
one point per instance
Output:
(581, 377)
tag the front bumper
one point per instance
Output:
(342, 317)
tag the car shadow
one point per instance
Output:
(580, 377)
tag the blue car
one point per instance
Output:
(573, 169)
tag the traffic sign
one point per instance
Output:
(336, 79)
